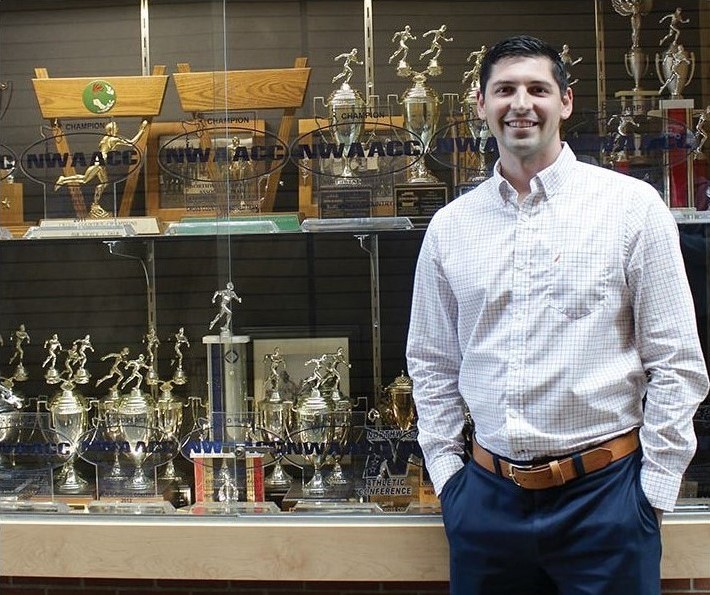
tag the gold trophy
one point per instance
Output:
(400, 402)
(109, 143)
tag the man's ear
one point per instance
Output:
(480, 107)
(567, 103)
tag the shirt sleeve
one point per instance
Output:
(669, 348)
(434, 359)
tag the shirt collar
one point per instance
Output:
(547, 182)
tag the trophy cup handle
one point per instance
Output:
(626, 64)
(692, 68)
(319, 107)
(658, 68)
(5, 87)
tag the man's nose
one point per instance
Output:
(521, 100)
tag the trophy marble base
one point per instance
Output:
(151, 507)
(74, 501)
(34, 507)
(336, 494)
(419, 202)
(637, 100)
(233, 508)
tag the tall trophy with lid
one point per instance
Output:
(400, 398)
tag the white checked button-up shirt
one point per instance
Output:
(552, 319)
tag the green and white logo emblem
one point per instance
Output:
(99, 97)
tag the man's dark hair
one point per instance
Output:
(523, 46)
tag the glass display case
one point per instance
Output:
(210, 214)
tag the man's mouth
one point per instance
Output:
(521, 123)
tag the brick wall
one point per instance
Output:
(65, 586)
(696, 586)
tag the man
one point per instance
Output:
(552, 302)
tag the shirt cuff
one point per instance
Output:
(661, 489)
(442, 468)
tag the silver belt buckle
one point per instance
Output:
(511, 472)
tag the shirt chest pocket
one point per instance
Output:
(577, 281)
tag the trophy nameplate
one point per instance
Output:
(139, 225)
(419, 202)
(465, 187)
(339, 201)
(83, 229)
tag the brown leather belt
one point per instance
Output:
(559, 471)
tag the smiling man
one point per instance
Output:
(552, 303)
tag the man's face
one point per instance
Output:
(524, 108)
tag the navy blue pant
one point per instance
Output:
(597, 535)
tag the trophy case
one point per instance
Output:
(224, 344)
